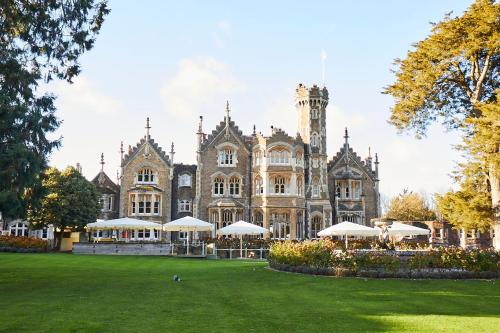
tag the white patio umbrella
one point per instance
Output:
(402, 229)
(123, 223)
(188, 223)
(348, 229)
(241, 228)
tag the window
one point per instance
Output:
(350, 218)
(257, 155)
(146, 176)
(145, 204)
(337, 191)
(259, 186)
(185, 180)
(280, 226)
(234, 186)
(184, 206)
(219, 186)
(315, 226)
(300, 225)
(156, 207)
(314, 113)
(300, 186)
(214, 216)
(314, 140)
(183, 234)
(45, 233)
(19, 229)
(347, 191)
(315, 188)
(226, 157)
(279, 185)
(227, 217)
(110, 203)
(258, 219)
(279, 157)
(299, 159)
(439, 233)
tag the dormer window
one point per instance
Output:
(185, 180)
(146, 176)
(226, 157)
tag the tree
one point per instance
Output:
(39, 40)
(69, 201)
(453, 76)
(410, 206)
(470, 207)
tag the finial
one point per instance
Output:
(117, 177)
(346, 137)
(147, 128)
(172, 153)
(227, 110)
(369, 152)
(102, 161)
(376, 158)
(227, 119)
(200, 125)
(172, 148)
(121, 150)
(254, 130)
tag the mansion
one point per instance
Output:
(285, 183)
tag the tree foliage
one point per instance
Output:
(470, 207)
(410, 206)
(447, 74)
(39, 40)
(69, 201)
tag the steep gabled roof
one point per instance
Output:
(222, 129)
(103, 181)
(135, 150)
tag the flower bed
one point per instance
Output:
(22, 244)
(323, 258)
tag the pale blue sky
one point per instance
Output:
(176, 60)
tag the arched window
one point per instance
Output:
(257, 155)
(300, 186)
(314, 113)
(279, 185)
(314, 140)
(259, 186)
(258, 219)
(185, 180)
(227, 217)
(315, 226)
(347, 192)
(338, 191)
(226, 157)
(219, 185)
(146, 175)
(234, 186)
(299, 159)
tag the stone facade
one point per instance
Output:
(282, 182)
(354, 186)
(110, 194)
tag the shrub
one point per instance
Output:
(13, 242)
(456, 258)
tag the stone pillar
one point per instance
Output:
(293, 223)
(265, 220)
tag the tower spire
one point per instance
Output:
(102, 161)
(147, 128)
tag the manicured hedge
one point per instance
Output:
(22, 244)
(322, 257)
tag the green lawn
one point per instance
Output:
(77, 293)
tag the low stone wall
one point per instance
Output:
(430, 273)
(159, 249)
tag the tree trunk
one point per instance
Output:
(495, 204)
(59, 240)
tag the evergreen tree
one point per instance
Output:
(69, 201)
(453, 76)
(39, 40)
